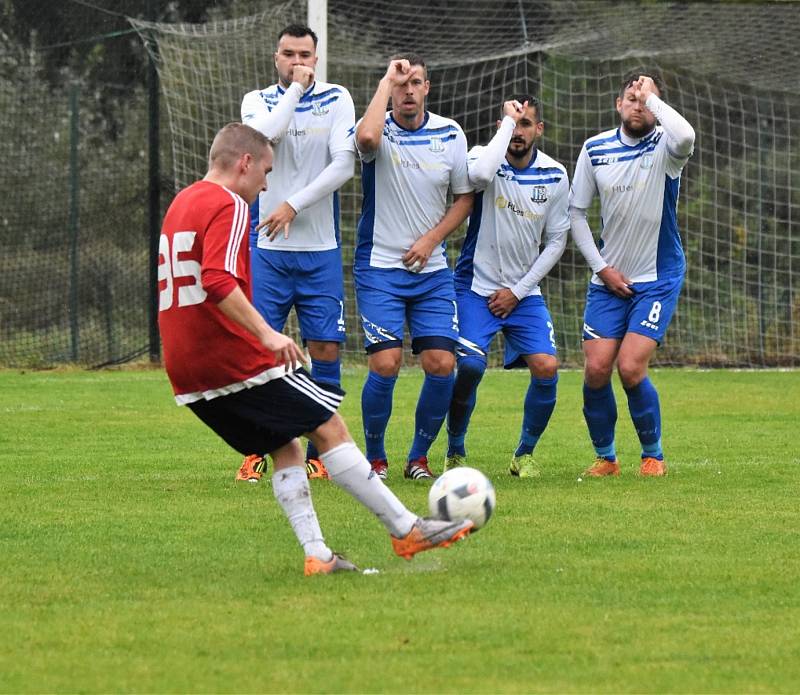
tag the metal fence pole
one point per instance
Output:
(154, 205)
(74, 219)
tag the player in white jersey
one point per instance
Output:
(520, 204)
(410, 158)
(296, 257)
(638, 271)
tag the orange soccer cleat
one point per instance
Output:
(602, 467)
(252, 468)
(316, 469)
(430, 533)
(652, 467)
(337, 563)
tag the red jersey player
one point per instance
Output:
(244, 379)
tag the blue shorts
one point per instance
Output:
(528, 329)
(390, 297)
(309, 281)
(648, 312)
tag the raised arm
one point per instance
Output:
(483, 169)
(679, 132)
(273, 124)
(370, 129)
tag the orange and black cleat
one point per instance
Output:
(316, 469)
(252, 468)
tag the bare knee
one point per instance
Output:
(634, 358)
(386, 363)
(288, 455)
(597, 371)
(330, 434)
(323, 350)
(542, 366)
(599, 356)
(437, 362)
(631, 371)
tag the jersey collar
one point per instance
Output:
(424, 122)
(628, 141)
(534, 155)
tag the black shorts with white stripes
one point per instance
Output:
(264, 418)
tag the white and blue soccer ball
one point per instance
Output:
(462, 493)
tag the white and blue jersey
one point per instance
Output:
(518, 211)
(405, 183)
(322, 125)
(637, 180)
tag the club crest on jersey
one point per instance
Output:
(647, 161)
(436, 145)
(318, 109)
(539, 194)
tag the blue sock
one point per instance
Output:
(600, 412)
(646, 415)
(465, 392)
(540, 400)
(328, 372)
(376, 408)
(434, 400)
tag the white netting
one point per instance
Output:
(729, 68)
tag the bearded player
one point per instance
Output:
(635, 170)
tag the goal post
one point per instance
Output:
(317, 11)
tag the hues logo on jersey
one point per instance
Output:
(647, 161)
(539, 194)
(503, 203)
(436, 145)
(318, 109)
(625, 187)
(405, 163)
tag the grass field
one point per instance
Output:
(132, 562)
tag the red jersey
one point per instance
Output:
(203, 239)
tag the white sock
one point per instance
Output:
(291, 489)
(351, 471)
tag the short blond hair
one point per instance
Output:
(234, 140)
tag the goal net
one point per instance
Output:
(728, 69)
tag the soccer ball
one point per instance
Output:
(462, 493)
